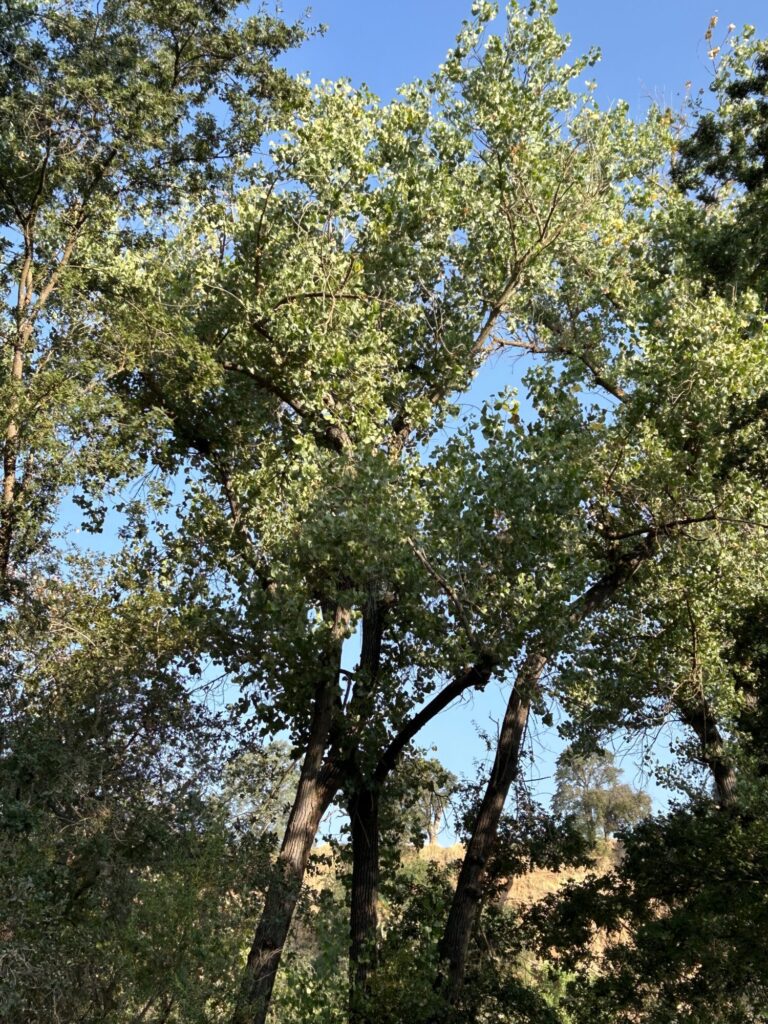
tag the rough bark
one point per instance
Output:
(697, 716)
(11, 443)
(469, 888)
(318, 783)
(363, 925)
(364, 818)
(363, 806)
(364, 815)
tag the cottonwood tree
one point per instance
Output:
(295, 347)
(304, 340)
(694, 645)
(107, 117)
(691, 362)
(704, 415)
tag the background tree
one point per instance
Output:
(588, 788)
(683, 931)
(120, 860)
(433, 797)
(111, 113)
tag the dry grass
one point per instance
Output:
(522, 891)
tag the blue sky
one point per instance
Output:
(651, 48)
(650, 51)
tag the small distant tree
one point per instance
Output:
(589, 788)
(419, 798)
(434, 798)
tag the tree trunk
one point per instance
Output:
(698, 717)
(317, 786)
(364, 819)
(10, 452)
(469, 888)
(464, 910)
(363, 806)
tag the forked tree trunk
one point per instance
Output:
(364, 816)
(318, 784)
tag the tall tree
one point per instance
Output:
(672, 353)
(286, 361)
(304, 343)
(110, 112)
(695, 647)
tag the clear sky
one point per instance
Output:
(650, 49)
